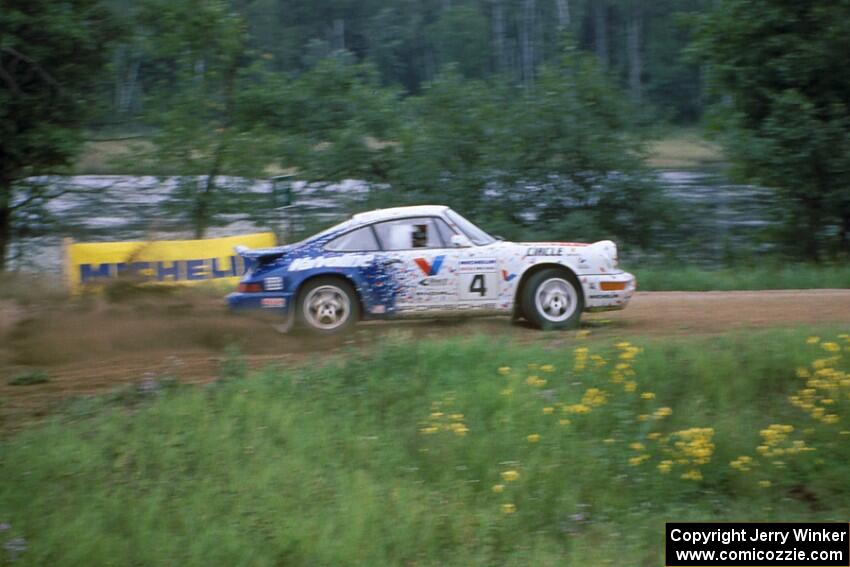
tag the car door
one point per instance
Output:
(423, 264)
(477, 276)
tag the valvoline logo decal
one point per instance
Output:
(506, 276)
(430, 269)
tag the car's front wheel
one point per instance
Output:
(328, 305)
(552, 299)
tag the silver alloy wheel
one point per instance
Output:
(327, 307)
(556, 299)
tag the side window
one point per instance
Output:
(362, 239)
(409, 234)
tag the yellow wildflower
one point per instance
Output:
(594, 397)
(508, 508)
(548, 410)
(510, 476)
(643, 417)
(533, 438)
(609, 440)
(429, 430)
(812, 340)
(647, 395)
(504, 370)
(692, 474)
(577, 408)
(637, 446)
(665, 466)
(436, 415)
(460, 429)
(663, 412)
(830, 347)
(637, 461)
(498, 488)
(630, 386)
(564, 422)
(456, 417)
(654, 435)
(547, 368)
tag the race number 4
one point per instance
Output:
(479, 286)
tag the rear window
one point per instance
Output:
(359, 240)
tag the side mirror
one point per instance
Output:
(460, 241)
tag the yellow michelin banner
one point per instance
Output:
(165, 261)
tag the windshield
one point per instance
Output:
(475, 234)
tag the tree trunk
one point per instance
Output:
(498, 36)
(527, 41)
(204, 197)
(563, 7)
(5, 221)
(633, 41)
(844, 236)
(339, 33)
(600, 32)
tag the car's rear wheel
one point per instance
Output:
(327, 306)
(552, 299)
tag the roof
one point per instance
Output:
(399, 212)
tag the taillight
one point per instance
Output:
(250, 287)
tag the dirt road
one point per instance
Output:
(96, 346)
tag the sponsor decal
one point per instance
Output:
(346, 261)
(430, 269)
(434, 293)
(378, 310)
(435, 282)
(466, 265)
(274, 283)
(544, 251)
(506, 276)
(273, 302)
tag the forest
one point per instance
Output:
(530, 116)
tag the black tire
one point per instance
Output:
(327, 306)
(562, 311)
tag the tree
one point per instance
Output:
(50, 59)
(785, 117)
(204, 129)
(563, 151)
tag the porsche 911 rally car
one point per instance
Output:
(429, 261)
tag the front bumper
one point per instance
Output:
(608, 292)
(276, 301)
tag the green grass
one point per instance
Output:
(790, 276)
(30, 378)
(338, 464)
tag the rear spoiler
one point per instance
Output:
(261, 255)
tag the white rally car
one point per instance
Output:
(429, 261)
